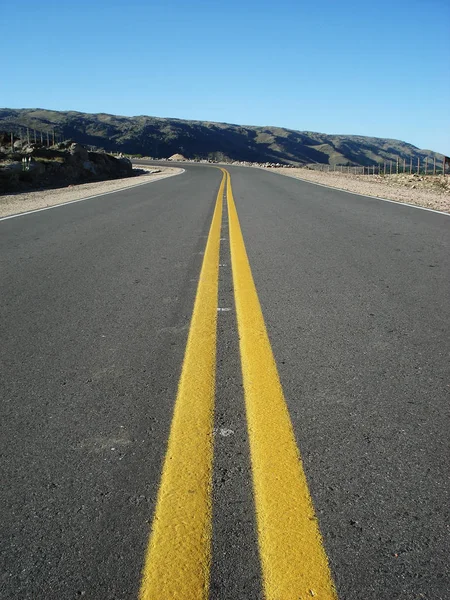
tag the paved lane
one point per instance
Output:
(355, 293)
(97, 300)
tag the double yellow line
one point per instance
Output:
(177, 565)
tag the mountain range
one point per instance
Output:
(162, 137)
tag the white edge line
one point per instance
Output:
(330, 187)
(129, 187)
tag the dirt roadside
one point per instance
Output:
(12, 204)
(430, 192)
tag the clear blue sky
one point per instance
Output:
(377, 68)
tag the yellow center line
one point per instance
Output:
(294, 562)
(177, 563)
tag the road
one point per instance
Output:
(225, 387)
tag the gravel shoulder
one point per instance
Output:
(12, 204)
(430, 192)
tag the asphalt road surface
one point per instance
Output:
(147, 447)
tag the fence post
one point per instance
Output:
(434, 165)
(418, 165)
(426, 165)
(53, 136)
(28, 136)
(397, 166)
(390, 167)
(12, 142)
(410, 166)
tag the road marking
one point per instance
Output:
(177, 563)
(130, 187)
(294, 562)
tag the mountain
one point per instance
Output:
(160, 138)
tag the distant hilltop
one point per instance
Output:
(162, 138)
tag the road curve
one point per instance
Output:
(96, 307)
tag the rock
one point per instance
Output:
(126, 166)
(89, 166)
(178, 157)
(49, 166)
(79, 151)
(29, 148)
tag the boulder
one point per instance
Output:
(126, 166)
(79, 151)
(89, 166)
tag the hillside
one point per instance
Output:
(35, 166)
(160, 138)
